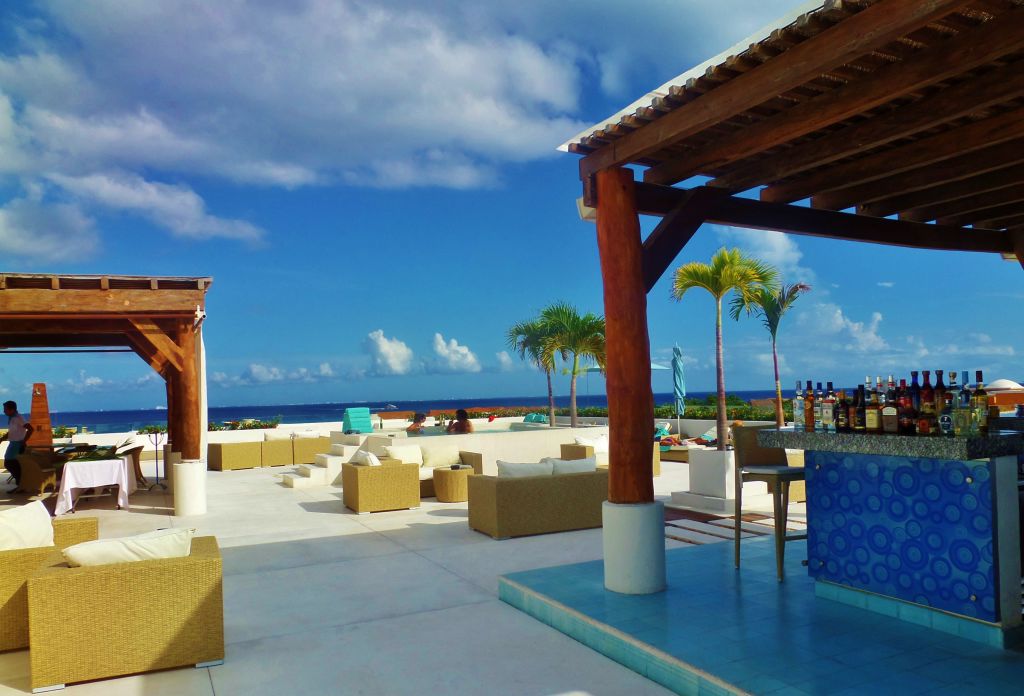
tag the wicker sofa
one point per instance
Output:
(229, 456)
(15, 569)
(393, 485)
(278, 451)
(571, 451)
(426, 473)
(513, 507)
(85, 624)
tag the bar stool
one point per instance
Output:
(767, 464)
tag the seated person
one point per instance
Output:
(461, 424)
(418, 420)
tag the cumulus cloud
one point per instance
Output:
(388, 356)
(776, 248)
(828, 318)
(886, 284)
(454, 357)
(84, 383)
(325, 370)
(505, 361)
(37, 232)
(256, 374)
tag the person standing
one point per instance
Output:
(18, 432)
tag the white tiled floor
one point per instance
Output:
(320, 600)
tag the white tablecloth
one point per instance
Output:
(95, 474)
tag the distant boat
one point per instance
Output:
(390, 407)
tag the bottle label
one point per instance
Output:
(946, 423)
(872, 419)
(890, 421)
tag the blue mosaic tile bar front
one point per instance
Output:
(916, 529)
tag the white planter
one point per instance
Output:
(634, 547)
(189, 477)
(712, 484)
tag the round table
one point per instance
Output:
(452, 485)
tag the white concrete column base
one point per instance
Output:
(634, 547)
(189, 488)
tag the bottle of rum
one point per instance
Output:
(819, 399)
(859, 419)
(809, 407)
(940, 393)
(873, 414)
(890, 414)
(926, 422)
(946, 415)
(828, 410)
(842, 411)
(979, 401)
(905, 410)
(798, 408)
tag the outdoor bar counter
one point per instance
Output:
(925, 529)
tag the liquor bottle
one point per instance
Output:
(962, 414)
(965, 392)
(905, 410)
(809, 408)
(842, 411)
(828, 410)
(867, 390)
(819, 399)
(940, 393)
(890, 414)
(979, 401)
(926, 424)
(798, 408)
(914, 391)
(859, 419)
(946, 415)
(873, 414)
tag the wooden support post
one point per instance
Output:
(39, 417)
(190, 426)
(630, 402)
(173, 409)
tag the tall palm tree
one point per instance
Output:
(770, 304)
(527, 339)
(729, 271)
(573, 336)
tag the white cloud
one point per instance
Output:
(828, 319)
(325, 370)
(505, 361)
(886, 284)
(177, 208)
(389, 356)
(256, 374)
(36, 232)
(453, 357)
(84, 383)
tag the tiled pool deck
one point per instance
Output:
(717, 630)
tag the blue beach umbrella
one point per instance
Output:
(678, 380)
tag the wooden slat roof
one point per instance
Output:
(884, 107)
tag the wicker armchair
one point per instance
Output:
(85, 624)
(39, 470)
(390, 486)
(17, 566)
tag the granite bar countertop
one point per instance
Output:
(996, 444)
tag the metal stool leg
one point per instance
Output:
(780, 524)
(738, 510)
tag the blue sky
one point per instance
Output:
(375, 189)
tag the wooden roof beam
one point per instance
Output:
(833, 187)
(874, 27)
(676, 229)
(1009, 220)
(743, 212)
(156, 341)
(62, 340)
(954, 169)
(967, 208)
(930, 66)
(941, 193)
(943, 106)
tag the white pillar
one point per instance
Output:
(634, 547)
(189, 488)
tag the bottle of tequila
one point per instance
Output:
(798, 408)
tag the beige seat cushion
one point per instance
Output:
(522, 470)
(409, 454)
(25, 527)
(441, 455)
(163, 543)
(572, 466)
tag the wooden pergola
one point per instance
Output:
(157, 318)
(901, 122)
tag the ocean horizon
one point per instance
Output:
(116, 421)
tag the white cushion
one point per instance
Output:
(409, 454)
(425, 473)
(25, 527)
(163, 543)
(522, 470)
(572, 466)
(277, 435)
(442, 455)
(364, 458)
(600, 444)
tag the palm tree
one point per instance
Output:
(770, 304)
(575, 335)
(729, 271)
(527, 339)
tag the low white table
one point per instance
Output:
(95, 474)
